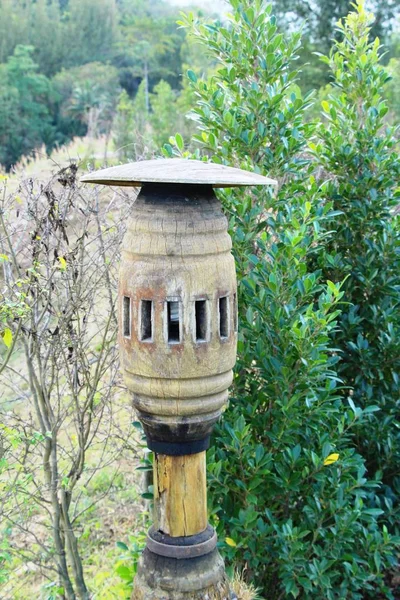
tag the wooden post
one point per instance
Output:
(180, 494)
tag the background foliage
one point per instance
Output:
(360, 152)
(55, 50)
(308, 507)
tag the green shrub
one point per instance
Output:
(163, 116)
(286, 488)
(360, 154)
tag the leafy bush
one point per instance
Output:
(286, 486)
(361, 155)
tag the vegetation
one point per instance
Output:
(309, 507)
(66, 368)
(53, 90)
(302, 493)
(360, 152)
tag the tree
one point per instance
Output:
(46, 34)
(90, 31)
(319, 18)
(132, 133)
(27, 94)
(10, 136)
(124, 133)
(163, 118)
(13, 27)
(150, 46)
(86, 99)
(36, 23)
(292, 500)
(359, 151)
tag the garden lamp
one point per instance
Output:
(177, 337)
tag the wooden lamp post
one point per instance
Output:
(177, 336)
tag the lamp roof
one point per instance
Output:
(177, 171)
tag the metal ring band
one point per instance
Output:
(187, 540)
(182, 552)
(178, 448)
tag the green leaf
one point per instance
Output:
(124, 572)
(192, 76)
(122, 546)
(179, 142)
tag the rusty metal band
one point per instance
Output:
(182, 552)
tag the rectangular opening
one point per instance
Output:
(126, 316)
(200, 307)
(173, 321)
(235, 313)
(146, 321)
(223, 317)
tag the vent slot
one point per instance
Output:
(173, 322)
(146, 320)
(200, 307)
(223, 317)
(126, 316)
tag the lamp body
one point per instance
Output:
(178, 340)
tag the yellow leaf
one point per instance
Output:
(332, 458)
(7, 337)
(63, 263)
(230, 542)
(325, 105)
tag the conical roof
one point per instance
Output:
(176, 170)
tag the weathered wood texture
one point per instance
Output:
(177, 251)
(219, 591)
(180, 494)
(161, 578)
(176, 170)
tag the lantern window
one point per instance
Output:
(200, 308)
(223, 307)
(126, 316)
(146, 320)
(174, 321)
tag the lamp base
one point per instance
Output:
(164, 578)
